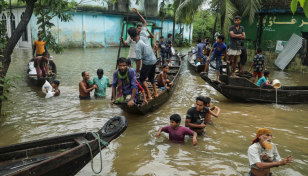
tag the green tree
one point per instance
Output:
(227, 9)
(303, 3)
(204, 25)
(44, 10)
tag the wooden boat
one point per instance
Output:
(240, 89)
(142, 108)
(32, 78)
(61, 156)
(246, 73)
(192, 65)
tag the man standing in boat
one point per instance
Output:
(199, 50)
(263, 154)
(145, 53)
(124, 86)
(41, 65)
(132, 44)
(237, 33)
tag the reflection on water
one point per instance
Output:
(222, 151)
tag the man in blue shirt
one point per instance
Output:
(199, 50)
(219, 48)
(145, 53)
(163, 51)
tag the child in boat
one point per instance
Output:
(162, 80)
(258, 62)
(264, 82)
(102, 82)
(176, 132)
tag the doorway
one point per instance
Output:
(305, 48)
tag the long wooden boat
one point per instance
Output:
(61, 156)
(142, 108)
(32, 78)
(246, 73)
(192, 65)
(242, 90)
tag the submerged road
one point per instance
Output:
(222, 151)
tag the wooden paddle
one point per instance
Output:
(120, 44)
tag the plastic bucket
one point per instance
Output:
(276, 84)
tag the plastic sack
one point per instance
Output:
(198, 64)
(49, 94)
(46, 86)
(172, 51)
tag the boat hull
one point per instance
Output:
(32, 79)
(155, 103)
(242, 90)
(66, 163)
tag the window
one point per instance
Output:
(4, 20)
(24, 36)
(12, 17)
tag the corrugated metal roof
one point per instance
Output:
(289, 51)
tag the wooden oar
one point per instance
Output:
(120, 44)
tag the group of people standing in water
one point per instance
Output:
(129, 82)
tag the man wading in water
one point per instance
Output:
(144, 51)
(263, 154)
(84, 87)
(237, 33)
(124, 86)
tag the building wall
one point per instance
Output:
(98, 25)
(26, 40)
(279, 26)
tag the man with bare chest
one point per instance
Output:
(84, 87)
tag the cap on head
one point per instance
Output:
(260, 132)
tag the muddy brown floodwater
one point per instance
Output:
(222, 151)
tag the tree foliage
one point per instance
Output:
(45, 10)
(303, 4)
(227, 9)
(204, 25)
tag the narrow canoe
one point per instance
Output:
(32, 78)
(61, 156)
(242, 90)
(191, 63)
(142, 108)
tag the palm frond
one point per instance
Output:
(227, 10)
(186, 10)
(249, 8)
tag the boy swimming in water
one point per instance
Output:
(176, 132)
(55, 86)
(162, 80)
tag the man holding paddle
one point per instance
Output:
(145, 53)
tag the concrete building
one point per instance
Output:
(97, 24)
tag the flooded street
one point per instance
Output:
(222, 151)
